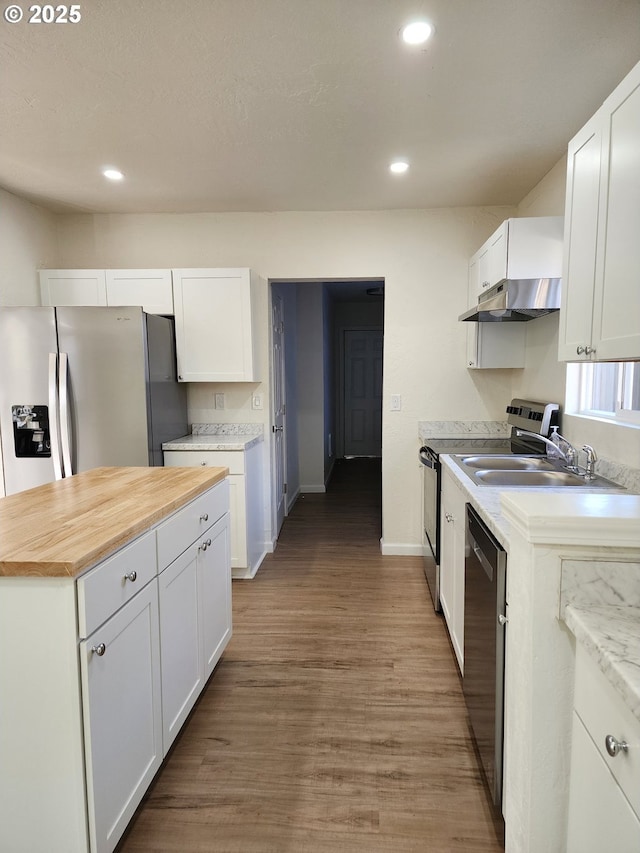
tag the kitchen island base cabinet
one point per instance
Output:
(90, 688)
(120, 668)
(195, 622)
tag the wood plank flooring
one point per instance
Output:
(335, 720)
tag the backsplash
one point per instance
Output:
(589, 583)
(227, 429)
(463, 429)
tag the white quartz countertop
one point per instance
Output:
(213, 442)
(611, 635)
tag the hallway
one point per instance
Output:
(335, 721)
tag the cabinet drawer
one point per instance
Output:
(106, 588)
(231, 459)
(187, 524)
(603, 712)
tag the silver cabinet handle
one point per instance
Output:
(205, 544)
(580, 350)
(614, 746)
(277, 428)
(204, 516)
(503, 619)
(449, 517)
(589, 350)
(99, 650)
(131, 576)
(203, 463)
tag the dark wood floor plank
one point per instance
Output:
(335, 721)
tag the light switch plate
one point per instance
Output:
(396, 402)
(219, 400)
(256, 401)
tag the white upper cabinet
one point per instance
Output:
(149, 288)
(600, 314)
(216, 324)
(530, 247)
(73, 287)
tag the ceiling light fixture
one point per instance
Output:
(418, 32)
(113, 174)
(399, 167)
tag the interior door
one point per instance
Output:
(279, 409)
(363, 392)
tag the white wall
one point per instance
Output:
(422, 255)
(310, 378)
(28, 242)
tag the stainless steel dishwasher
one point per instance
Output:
(484, 644)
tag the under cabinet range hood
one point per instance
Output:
(515, 301)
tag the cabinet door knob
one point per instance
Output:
(589, 350)
(99, 650)
(203, 463)
(448, 516)
(614, 746)
(131, 576)
(580, 350)
(205, 515)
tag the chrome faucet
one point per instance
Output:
(566, 450)
(589, 473)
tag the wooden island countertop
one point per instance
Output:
(62, 528)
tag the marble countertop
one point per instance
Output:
(611, 635)
(213, 442)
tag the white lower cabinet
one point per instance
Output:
(120, 669)
(93, 694)
(452, 545)
(245, 499)
(604, 796)
(195, 622)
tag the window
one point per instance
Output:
(608, 390)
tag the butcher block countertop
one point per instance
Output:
(63, 528)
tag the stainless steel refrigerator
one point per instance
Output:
(85, 387)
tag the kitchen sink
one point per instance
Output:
(509, 463)
(519, 471)
(531, 478)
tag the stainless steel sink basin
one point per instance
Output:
(519, 471)
(508, 463)
(530, 478)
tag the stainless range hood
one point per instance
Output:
(515, 301)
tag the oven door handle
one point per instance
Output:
(426, 459)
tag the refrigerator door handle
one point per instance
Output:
(54, 426)
(65, 433)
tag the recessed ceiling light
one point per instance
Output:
(417, 32)
(398, 167)
(113, 174)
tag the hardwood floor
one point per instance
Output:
(335, 720)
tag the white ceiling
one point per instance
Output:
(262, 105)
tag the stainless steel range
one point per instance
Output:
(534, 417)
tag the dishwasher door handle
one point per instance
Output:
(486, 565)
(426, 460)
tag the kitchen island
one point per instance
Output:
(115, 606)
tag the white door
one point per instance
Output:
(279, 409)
(363, 392)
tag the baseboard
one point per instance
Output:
(291, 501)
(245, 573)
(313, 490)
(399, 549)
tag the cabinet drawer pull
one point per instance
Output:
(580, 350)
(614, 746)
(205, 515)
(202, 464)
(99, 650)
(449, 517)
(131, 576)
